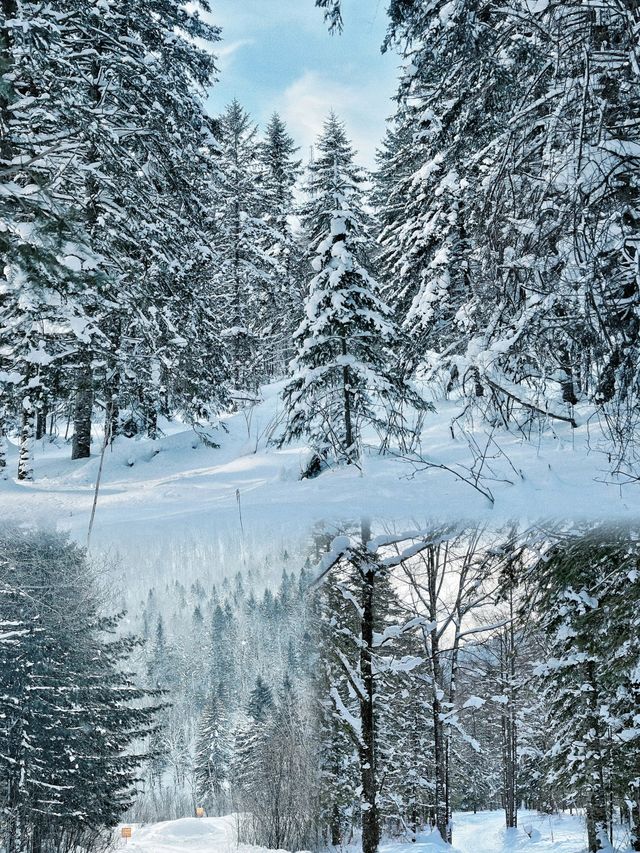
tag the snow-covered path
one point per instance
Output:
(480, 833)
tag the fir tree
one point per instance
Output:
(213, 755)
(70, 710)
(345, 374)
(241, 238)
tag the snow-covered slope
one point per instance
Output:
(178, 482)
(480, 833)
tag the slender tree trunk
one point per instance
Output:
(511, 735)
(596, 813)
(634, 819)
(442, 818)
(370, 820)
(3, 443)
(83, 408)
(27, 437)
(336, 828)
(439, 745)
(348, 423)
(41, 419)
(597, 818)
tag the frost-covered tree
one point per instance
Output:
(450, 101)
(345, 375)
(46, 260)
(106, 143)
(505, 207)
(70, 711)
(279, 171)
(588, 593)
(242, 239)
(213, 756)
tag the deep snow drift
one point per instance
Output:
(480, 833)
(177, 483)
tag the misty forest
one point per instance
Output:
(365, 690)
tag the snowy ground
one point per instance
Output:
(481, 833)
(190, 834)
(155, 488)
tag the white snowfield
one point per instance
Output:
(176, 482)
(480, 833)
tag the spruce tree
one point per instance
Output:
(213, 755)
(70, 711)
(280, 170)
(345, 374)
(241, 238)
(588, 593)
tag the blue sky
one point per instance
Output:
(278, 55)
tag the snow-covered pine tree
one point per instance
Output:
(107, 223)
(69, 710)
(564, 234)
(450, 101)
(345, 375)
(261, 702)
(280, 170)
(241, 238)
(147, 204)
(46, 263)
(364, 665)
(213, 756)
(335, 623)
(587, 594)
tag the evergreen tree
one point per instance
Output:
(70, 712)
(279, 171)
(213, 756)
(588, 593)
(345, 374)
(260, 702)
(241, 238)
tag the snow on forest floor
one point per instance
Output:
(480, 833)
(189, 834)
(177, 481)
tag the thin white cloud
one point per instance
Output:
(226, 50)
(305, 103)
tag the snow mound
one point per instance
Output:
(198, 835)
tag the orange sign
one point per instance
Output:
(125, 832)
(199, 812)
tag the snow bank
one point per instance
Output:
(189, 834)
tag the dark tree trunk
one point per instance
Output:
(41, 420)
(596, 824)
(3, 445)
(83, 409)
(510, 733)
(597, 817)
(336, 829)
(439, 745)
(370, 820)
(441, 815)
(635, 823)
(348, 416)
